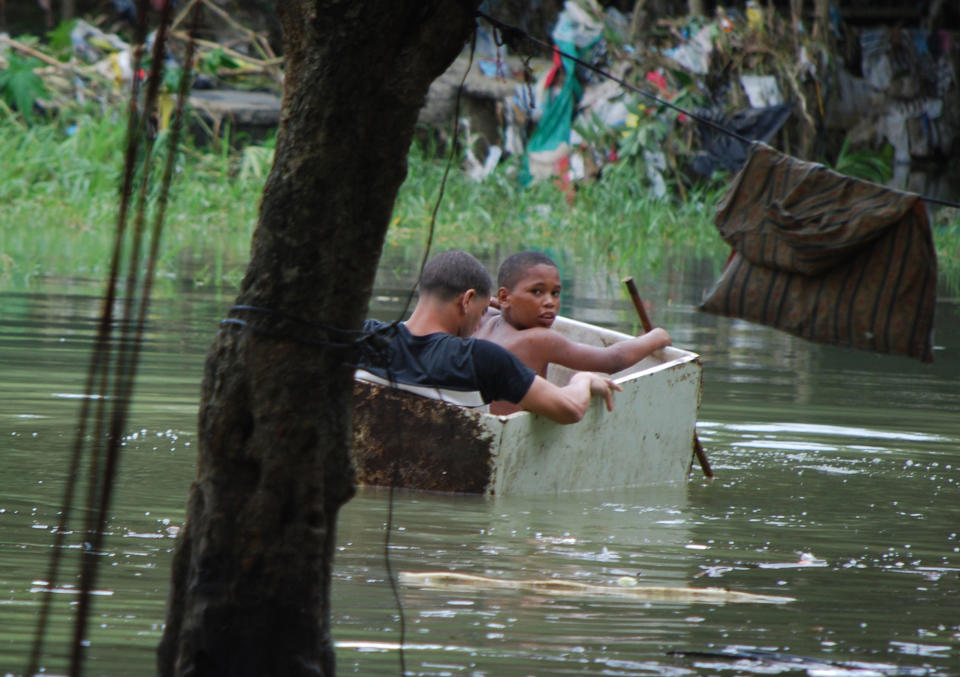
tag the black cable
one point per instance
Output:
(390, 576)
(372, 346)
(446, 172)
(383, 355)
(323, 326)
(367, 342)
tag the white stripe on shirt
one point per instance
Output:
(463, 398)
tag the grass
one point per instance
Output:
(946, 240)
(615, 224)
(59, 196)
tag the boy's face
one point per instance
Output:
(535, 300)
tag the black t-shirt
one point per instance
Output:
(470, 371)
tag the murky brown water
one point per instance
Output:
(838, 486)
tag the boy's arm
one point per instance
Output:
(553, 347)
(569, 403)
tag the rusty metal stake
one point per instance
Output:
(647, 326)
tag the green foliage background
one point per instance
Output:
(59, 200)
(20, 87)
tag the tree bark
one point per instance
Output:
(250, 591)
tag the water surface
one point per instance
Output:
(837, 485)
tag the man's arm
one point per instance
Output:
(549, 345)
(569, 403)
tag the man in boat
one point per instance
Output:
(528, 296)
(433, 353)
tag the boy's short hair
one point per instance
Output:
(516, 265)
(449, 274)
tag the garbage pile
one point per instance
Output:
(82, 63)
(908, 94)
(675, 105)
(756, 74)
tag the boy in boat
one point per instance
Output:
(432, 352)
(528, 296)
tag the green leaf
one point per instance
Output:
(59, 39)
(869, 165)
(171, 78)
(214, 60)
(20, 87)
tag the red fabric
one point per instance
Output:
(557, 67)
(658, 79)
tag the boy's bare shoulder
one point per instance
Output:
(490, 318)
(546, 341)
(493, 328)
(500, 331)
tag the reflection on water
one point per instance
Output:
(838, 478)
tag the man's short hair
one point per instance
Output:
(515, 266)
(449, 274)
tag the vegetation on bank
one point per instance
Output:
(62, 163)
(59, 199)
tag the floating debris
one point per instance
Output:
(807, 559)
(451, 580)
(768, 662)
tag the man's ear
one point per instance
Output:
(503, 297)
(466, 297)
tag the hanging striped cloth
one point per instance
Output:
(826, 257)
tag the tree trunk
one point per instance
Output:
(250, 592)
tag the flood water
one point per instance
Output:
(838, 486)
